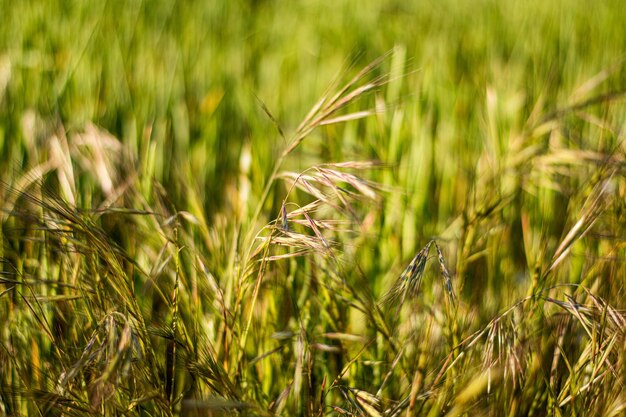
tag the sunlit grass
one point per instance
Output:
(297, 209)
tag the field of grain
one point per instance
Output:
(275, 208)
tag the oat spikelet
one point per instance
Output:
(408, 284)
(446, 274)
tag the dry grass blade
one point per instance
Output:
(358, 165)
(300, 241)
(279, 402)
(365, 188)
(593, 207)
(61, 158)
(317, 232)
(294, 254)
(369, 403)
(306, 184)
(310, 208)
(346, 337)
(340, 226)
(348, 117)
(99, 152)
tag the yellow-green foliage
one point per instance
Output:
(385, 208)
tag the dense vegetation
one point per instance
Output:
(311, 208)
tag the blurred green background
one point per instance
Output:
(178, 79)
(502, 122)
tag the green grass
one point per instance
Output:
(281, 208)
